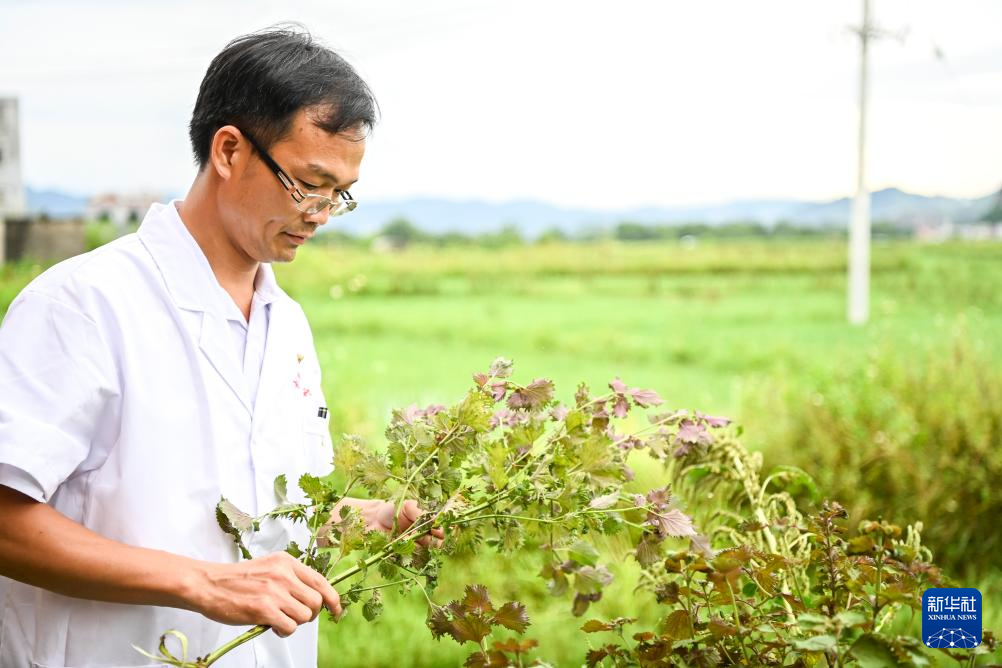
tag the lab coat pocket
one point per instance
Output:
(316, 421)
(316, 433)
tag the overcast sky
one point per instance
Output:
(577, 103)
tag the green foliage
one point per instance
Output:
(781, 587)
(911, 437)
(789, 590)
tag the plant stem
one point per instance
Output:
(876, 591)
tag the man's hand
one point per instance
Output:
(42, 547)
(378, 515)
(276, 590)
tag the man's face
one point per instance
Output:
(262, 220)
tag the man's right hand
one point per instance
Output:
(276, 590)
(42, 547)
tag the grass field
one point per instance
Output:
(704, 326)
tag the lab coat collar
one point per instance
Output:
(186, 270)
(191, 283)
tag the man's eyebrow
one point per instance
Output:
(317, 169)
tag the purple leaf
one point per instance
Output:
(477, 599)
(672, 523)
(694, 433)
(645, 398)
(621, 407)
(498, 390)
(500, 417)
(713, 420)
(560, 412)
(512, 616)
(533, 395)
(618, 386)
(700, 544)
(659, 497)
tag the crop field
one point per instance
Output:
(754, 330)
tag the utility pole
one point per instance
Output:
(859, 226)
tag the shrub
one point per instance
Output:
(907, 436)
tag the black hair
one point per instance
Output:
(260, 81)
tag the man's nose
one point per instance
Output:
(318, 218)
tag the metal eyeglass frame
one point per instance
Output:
(307, 203)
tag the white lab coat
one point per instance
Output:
(122, 397)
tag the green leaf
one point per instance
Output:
(387, 569)
(231, 517)
(820, 643)
(373, 608)
(852, 618)
(589, 580)
(860, 545)
(676, 625)
(595, 626)
(374, 473)
(354, 594)
(497, 454)
(312, 487)
(584, 553)
(235, 522)
(475, 411)
(282, 490)
(872, 652)
(294, 549)
(573, 420)
(348, 455)
(501, 368)
(404, 548)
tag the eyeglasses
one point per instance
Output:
(307, 203)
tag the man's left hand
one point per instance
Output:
(378, 515)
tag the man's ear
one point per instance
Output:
(229, 151)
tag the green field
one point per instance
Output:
(710, 327)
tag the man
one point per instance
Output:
(141, 382)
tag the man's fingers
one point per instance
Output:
(319, 584)
(282, 625)
(333, 601)
(409, 512)
(309, 597)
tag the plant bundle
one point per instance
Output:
(510, 466)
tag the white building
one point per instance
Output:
(121, 209)
(13, 201)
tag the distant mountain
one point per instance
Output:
(532, 218)
(56, 204)
(896, 206)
